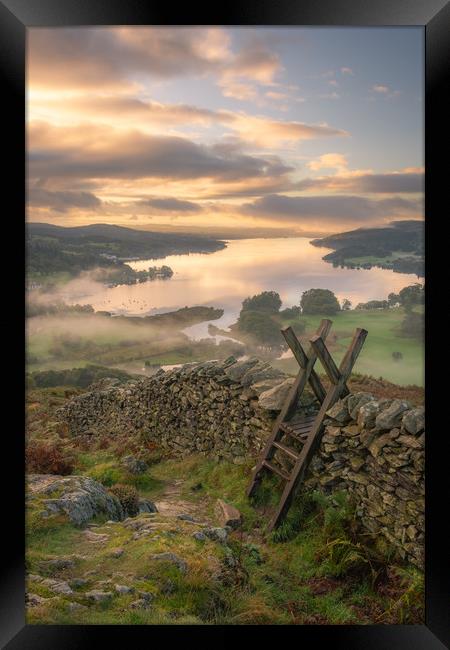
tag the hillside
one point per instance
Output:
(56, 249)
(399, 247)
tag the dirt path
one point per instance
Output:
(171, 503)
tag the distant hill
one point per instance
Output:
(398, 246)
(53, 249)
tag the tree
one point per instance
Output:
(346, 305)
(413, 324)
(393, 299)
(267, 301)
(373, 304)
(414, 294)
(260, 326)
(319, 301)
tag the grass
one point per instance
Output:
(312, 571)
(376, 356)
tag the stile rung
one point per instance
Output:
(287, 450)
(276, 470)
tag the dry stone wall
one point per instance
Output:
(211, 408)
(373, 449)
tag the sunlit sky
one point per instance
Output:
(309, 129)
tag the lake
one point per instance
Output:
(225, 278)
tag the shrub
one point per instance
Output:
(47, 458)
(128, 497)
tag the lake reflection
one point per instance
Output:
(246, 267)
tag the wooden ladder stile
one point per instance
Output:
(306, 430)
(306, 363)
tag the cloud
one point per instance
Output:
(121, 58)
(380, 89)
(387, 183)
(329, 161)
(346, 70)
(171, 205)
(93, 152)
(63, 201)
(345, 209)
(268, 133)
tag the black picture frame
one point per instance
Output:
(18, 15)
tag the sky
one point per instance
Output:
(307, 130)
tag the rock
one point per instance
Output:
(147, 506)
(367, 414)
(260, 372)
(79, 497)
(96, 538)
(356, 401)
(172, 558)
(57, 586)
(227, 514)
(185, 517)
(414, 421)
(146, 595)
(199, 536)
(274, 398)
(356, 463)
(216, 534)
(98, 596)
(76, 583)
(33, 600)
(134, 465)
(117, 552)
(265, 384)
(57, 564)
(76, 607)
(140, 604)
(123, 589)
(238, 370)
(392, 416)
(34, 577)
(339, 412)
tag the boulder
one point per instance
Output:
(172, 558)
(147, 506)
(227, 514)
(339, 412)
(274, 398)
(356, 401)
(414, 420)
(367, 414)
(216, 534)
(79, 497)
(134, 465)
(391, 416)
(98, 596)
(265, 384)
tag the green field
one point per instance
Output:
(376, 356)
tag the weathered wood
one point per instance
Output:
(302, 359)
(314, 436)
(276, 470)
(288, 408)
(287, 450)
(326, 359)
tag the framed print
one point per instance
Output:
(228, 221)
